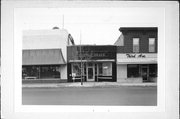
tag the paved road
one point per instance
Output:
(91, 96)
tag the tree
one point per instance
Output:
(81, 56)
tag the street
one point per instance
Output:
(120, 96)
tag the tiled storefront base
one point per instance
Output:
(130, 80)
(153, 79)
(136, 80)
(31, 81)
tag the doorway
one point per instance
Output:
(90, 73)
(145, 73)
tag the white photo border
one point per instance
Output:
(15, 93)
(18, 28)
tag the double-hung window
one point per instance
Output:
(151, 44)
(135, 44)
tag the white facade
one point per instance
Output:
(121, 73)
(136, 58)
(48, 39)
(125, 59)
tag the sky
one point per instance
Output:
(98, 26)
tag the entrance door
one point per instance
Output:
(144, 71)
(90, 73)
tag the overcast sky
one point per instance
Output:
(98, 26)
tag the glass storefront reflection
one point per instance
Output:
(41, 72)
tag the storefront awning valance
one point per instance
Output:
(137, 58)
(103, 60)
(42, 57)
(137, 61)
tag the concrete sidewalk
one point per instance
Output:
(86, 84)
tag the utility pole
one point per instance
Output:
(81, 60)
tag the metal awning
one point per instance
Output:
(137, 58)
(103, 60)
(42, 57)
(137, 61)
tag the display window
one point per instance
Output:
(133, 70)
(105, 69)
(76, 69)
(41, 72)
(153, 70)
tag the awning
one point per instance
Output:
(138, 58)
(103, 60)
(137, 61)
(42, 57)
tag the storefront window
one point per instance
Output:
(49, 72)
(105, 69)
(132, 70)
(153, 70)
(41, 71)
(76, 68)
(84, 69)
(30, 71)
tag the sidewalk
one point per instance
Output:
(86, 84)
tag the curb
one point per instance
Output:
(85, 85)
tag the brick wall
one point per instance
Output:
(143, 36)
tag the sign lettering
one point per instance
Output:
(135, 55)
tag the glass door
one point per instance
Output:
(144, 72)
(90, 73)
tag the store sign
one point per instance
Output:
(91, 52)
(99, 55)
(136, 58)
(135, 55)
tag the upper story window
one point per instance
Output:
(135, 44)
(151, 44)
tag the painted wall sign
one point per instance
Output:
(140, 58)
(99, 55)
(91, 52)
(135, 55)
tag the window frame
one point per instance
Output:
(135, 68)
(134, 49)
(154, 48)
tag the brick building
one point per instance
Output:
(137, 54)
(98, 62)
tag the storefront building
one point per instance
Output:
(42, 63)
(137, 54)
(44, 54)
(91, 63)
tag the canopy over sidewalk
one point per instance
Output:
(42, 57)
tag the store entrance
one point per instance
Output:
(90, 73)
(144, 73)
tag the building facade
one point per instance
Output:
(52, 54)
(42, 63)
(137, 54)
(91, 63)
(44, 53)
